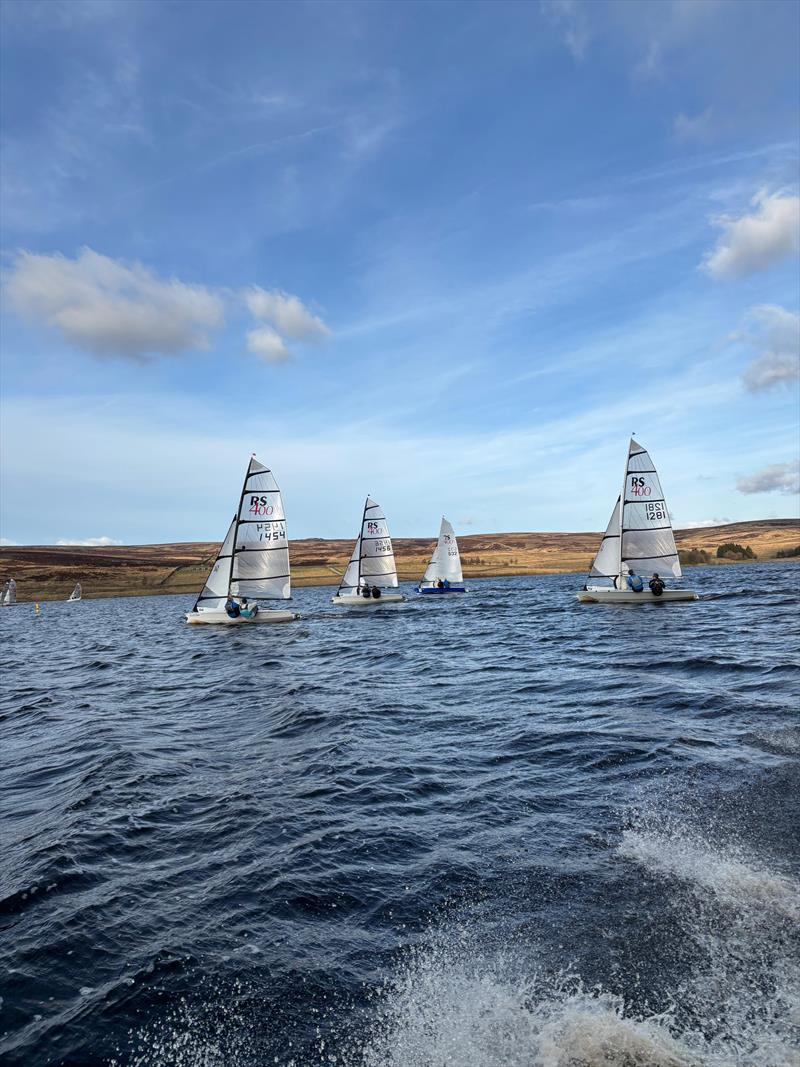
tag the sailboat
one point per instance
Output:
(75, 594)
(9, 595)
(638, 539)
(443, 573)
(253, 560)
(371, 565)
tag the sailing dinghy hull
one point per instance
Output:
(221, 618)
(439, 592)
(353, 600)
(604, 595)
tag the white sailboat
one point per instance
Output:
(9, 594)
(75, 594)
(253, 560)
(372, 567)
(638, 540)
(443, 573)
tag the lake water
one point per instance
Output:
(503, 829)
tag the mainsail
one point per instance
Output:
(647, 542)
(261, 551)
(76, 592)
(372, 558)
(253, 560)
(445, 562)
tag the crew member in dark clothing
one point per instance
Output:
(376, 593)
(232, 608)
(656, 585)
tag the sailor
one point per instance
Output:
(365, 589)
(634, 581)
(440, 584)
(656, 585)
(447, 583)
(376, 593)
(232, 608)
(248, 610)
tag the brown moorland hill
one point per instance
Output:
(47, 572)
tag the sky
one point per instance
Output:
(448, 254)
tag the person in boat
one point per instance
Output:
(634, 581)
(656, 585)
(248, 610)
(365, 590)
(447, 583)
(232, 608)
(440, 584)
(376, 593)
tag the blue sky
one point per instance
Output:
(450, 254)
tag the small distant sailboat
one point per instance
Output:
(75, 594)
(253, 561)
(638, 539)
(9, 595)
(443, 573)
(372, 567)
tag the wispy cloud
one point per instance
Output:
(694, 128)
(776, 478)
(774, 333)
(756, 241)
(569, 17)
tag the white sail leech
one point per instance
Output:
(445, 563)
(372, 560)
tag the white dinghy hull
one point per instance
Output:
(221, 618)
(604, 595)
(355, 600)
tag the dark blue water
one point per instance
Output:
(505, 829)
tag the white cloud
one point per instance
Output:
(701, 524)
(779, 477)
(269, 345)
(697, 128)
(89, 542)
(775, 336)
(569, 16)
(757, 241)
(110, 308)
(285, 312)
(6, 543)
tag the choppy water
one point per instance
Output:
(506, 829)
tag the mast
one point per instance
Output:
(622, 512)
(361, 541)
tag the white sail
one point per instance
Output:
(76, 592)
(445, 562)
(215, 592)
(372, 559)
(9, 593)
(606, 562)
(261, 551)
(3, 595)
(647, 544)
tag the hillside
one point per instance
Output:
(48, 572)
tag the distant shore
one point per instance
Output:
(47, 572)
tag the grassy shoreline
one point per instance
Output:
(46, 572)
